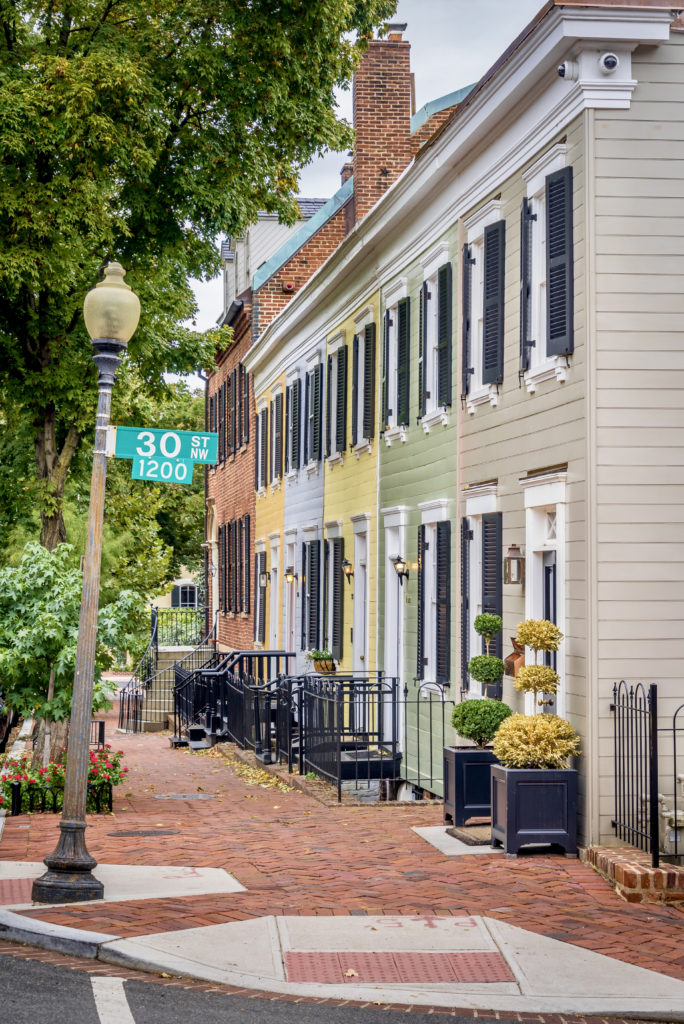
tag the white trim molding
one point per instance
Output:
(480, 499)
(434, 511)
(395, 292)
(433, 260)
(396, 515)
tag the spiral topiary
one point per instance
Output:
(535, 741)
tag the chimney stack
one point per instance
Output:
(382, 97)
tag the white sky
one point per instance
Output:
(453, 43)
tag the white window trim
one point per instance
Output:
(437, 257)
(336, 342)
(480, 499)
(480, 394)
(333, 529)
(395, 434)
(541, 494)
(434, 511)
(365, 316)
(438, 416)
(542, 366)
(395, 292)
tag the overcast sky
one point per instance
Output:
(453, 42)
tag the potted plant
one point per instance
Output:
(466, 769)
(534, 793)
(323, 660)
(487, 668)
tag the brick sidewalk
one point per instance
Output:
(296, 856)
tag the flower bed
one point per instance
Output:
(42, 789)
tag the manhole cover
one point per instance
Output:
(184, 796)
(148, 832)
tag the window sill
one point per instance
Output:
(395, 434)
(553, 368)
(292, 475)
(276, 485)
(434, 418)
(362, 446)
(489, 393)
(312, 469)
(261, 492)
(337, 459)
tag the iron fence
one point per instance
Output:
(635, 757)
(426, 716)
(180, 627)
(31, 798)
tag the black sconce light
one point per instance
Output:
(290, 574)
(347, 569)
(514, 566)
(401, 568)
(264, 578)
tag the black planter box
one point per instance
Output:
(534, 805)
(467, 786)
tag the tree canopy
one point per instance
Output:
(139, 130)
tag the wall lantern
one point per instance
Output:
(514, 566)
(347, 569)
(290, 574)
(264, 577)
(401, 568)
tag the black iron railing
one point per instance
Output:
(151, 698)
(180, 627)
(425, 714)
(31, 798)
(635, 755)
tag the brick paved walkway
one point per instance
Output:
(296, 856)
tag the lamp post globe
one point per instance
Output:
(111, 312)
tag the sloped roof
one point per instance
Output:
(303, 234)
(441, 103)
(308, 207)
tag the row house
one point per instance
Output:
(490, 360)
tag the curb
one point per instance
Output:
(55, 937)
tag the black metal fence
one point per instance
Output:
(635, 755)
(426, 717)
(179, 627)
(31, 798)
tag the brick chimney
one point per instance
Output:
(382, 97)
(346, 172)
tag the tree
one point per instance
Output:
(139, 130)
(40, 601)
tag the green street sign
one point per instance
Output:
(149, 443)
(170, 471)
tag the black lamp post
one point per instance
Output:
(111, 312)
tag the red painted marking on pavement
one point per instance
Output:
(397, 968)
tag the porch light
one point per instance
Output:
(347, 569)
(514, 566)
(290, 574)
(264, 578)
(401, 568)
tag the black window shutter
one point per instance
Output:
(234, 568)
(247, 560)
(420, 611)
(271, 441)
(175, 597)
(443, 645)
(466, 537)
(385, 411)
(355, 391)
(263, 446)
(296, 392)
(240, 403)
(259, 568)
(317, 447)
(304, 602)
(341, 401)
(221, 399)
(229, 528)
(212, 414)
(467, 369)
(492, 590)
(526, 343)
(228, 449)
(257, 454)
(234, 443)
(224, 567)
(369, 382)
(559, 263)
(219, 568)
(337, 597)
(288, 427)
(314, 573)
(278, 436)
(444, 304)
(493, 329)
(422, 348)
(326, 572)
(245, 410)
(403, 361)
(239, 565)
(328, 410)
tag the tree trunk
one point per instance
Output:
(59, 733)
(52, 467)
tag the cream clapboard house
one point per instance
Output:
(555, 195)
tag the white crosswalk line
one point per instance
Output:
(110, 1001)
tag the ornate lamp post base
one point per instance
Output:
(69, 877)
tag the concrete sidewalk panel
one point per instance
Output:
(422, 933)
(72, 941)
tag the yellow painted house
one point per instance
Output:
(269, 514)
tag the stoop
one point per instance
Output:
(630, 873)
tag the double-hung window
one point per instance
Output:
(336, 403)
(363, 386)
(433, 641)
(434, 337)
(483, 269)
(546, 270)
(396, 364)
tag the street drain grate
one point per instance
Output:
(147, 832)
(184, 796)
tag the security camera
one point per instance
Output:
(568, 69)
(609, 62)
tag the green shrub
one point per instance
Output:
(486, 668)
(535, 741)
(479, 720)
